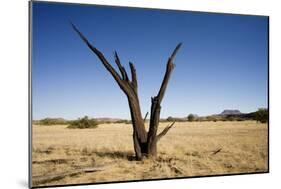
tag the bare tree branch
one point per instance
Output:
(134, 75)
(216, 151)
(48, 178)
(175, 51)
(164, 132)
(121, 68)
(123, 85)
(156, 102)
(145, 117)
(169, 69)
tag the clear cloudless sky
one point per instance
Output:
(223, 63)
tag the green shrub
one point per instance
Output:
(211, 118)
(128, 121)
(125, 121)
(120, 121)
(230, 118)
(261, 115)
(83, 123)
(240, 119)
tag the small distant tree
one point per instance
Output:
(190, 117)
(261, 115)
(170, 118)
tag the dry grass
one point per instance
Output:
(189, 149)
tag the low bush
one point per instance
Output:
(83, 123)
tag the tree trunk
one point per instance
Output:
(145, 143)
(139, 132)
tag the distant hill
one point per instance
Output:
(230, 112)
(107, 119)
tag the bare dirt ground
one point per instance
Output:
(189, 149)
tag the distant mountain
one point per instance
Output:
(230, 112)
(107, 119)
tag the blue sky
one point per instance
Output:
(221, 65)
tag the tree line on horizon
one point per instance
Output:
(261, 115)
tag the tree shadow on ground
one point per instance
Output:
(116, 155)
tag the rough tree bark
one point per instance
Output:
(145, 143)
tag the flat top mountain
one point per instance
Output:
(230, 112)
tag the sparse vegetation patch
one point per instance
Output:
(83, 123)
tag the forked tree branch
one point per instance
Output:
(121, 68)
(156, 100)
(164, 132)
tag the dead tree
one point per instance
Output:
(145, 142)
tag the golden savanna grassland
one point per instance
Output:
(188, 149)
